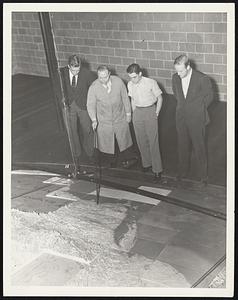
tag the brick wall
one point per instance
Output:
(28, 54)
(118, 39)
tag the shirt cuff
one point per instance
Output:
(94, 120)
(128, 114)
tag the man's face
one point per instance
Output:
(135, 78)
(74, 70)
(182, 70)
(104, 76)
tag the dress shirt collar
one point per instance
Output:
(71, 77)
(186, 82)
(188, 77)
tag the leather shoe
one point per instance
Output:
(157, 178)
(113, 164)
(202, 183)
(129, 163)
(79, 171)
(146, 169)
(181, 176)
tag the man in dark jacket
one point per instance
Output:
(76, 82)
(194, 93)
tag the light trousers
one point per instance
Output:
(146, 130)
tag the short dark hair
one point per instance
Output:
(182, 59)
(74, 61)
(134, 68)
(103, 68)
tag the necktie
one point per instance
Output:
(74, 81)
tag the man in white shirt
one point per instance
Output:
(146, 102)
(193, 92)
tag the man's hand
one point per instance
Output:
(94, 125)
(128, 118)
(64, 102)
(157, 112)
(158, 105)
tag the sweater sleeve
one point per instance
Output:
(133, 105)
(92, 104)
(125, 98)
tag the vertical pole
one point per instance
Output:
(54, 71)
(52, 63)
(98, 170)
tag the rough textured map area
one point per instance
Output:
(85, 231)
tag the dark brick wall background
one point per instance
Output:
(118, 39)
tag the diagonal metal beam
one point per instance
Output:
(167, 199)
(52, 63)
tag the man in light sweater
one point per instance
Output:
(146, 102)
(109, 108)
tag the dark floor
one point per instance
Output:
(36, 132)
(38, 137)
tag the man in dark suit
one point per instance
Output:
(194, 93)
(76, 82)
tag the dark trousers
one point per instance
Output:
(81, 131)
(191, 137)
(113, 159)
